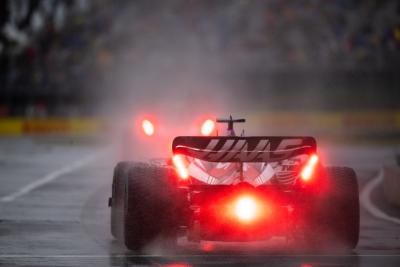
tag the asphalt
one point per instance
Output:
(53, 212)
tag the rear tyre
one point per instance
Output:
(117, 198)
(335, 214)
(150, 207)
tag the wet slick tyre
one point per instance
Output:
(150, 213)
(335, 215)
(118, 197)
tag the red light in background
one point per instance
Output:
(308, 170)
(180, 166)
(208, 127)
(176, 265)
(207, 246)
(148, 127)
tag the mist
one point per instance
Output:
(180, 60)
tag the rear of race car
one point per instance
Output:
(246, 188)
(230, 188)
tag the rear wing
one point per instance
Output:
(243, 149)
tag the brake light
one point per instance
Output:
(180, 167)
(308, 170)
(246, 209)
(148, 127)
(208, 127)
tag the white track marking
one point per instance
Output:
(51, 177)
(365, 198)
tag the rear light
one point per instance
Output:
(148, 127)
(246, 209)
(208, 127)
(309, 168)
(180, 167)
(207, 246)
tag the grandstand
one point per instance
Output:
(57, 56)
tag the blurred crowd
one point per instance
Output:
(55, 47)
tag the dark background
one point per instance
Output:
(87, 58)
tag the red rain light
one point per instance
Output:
(180, 166)
(207, 247)
(208, 127)
(308, 170)
(176, 265)
(246, 209)
(148, 127)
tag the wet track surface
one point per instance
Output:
(63, 219)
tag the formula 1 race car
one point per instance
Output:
(236, 188)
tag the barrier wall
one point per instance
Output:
(323, 121)
(331, 120)
(19, 126)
